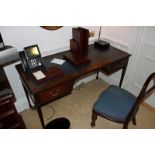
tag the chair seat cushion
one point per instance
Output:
(114, 103)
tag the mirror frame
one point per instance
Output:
(51, 27)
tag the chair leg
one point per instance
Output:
(125, 125)
(134, 120)
(94, 118)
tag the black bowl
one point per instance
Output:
(59, 123)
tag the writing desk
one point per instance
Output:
(108, 61)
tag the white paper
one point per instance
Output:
(39, 75)
(58, 61)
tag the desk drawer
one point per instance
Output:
(55, 92)
(114, 67)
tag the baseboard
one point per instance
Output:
(84, 79)
(148, 107)
(21, 105)
(113, 79)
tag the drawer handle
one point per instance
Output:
(54, 94)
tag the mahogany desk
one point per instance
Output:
(108, 61)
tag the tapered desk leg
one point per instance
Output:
(27, 96)
(33, 107)
(122, 76)
(97, 74)
(40, 116)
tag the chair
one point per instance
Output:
(119, 105)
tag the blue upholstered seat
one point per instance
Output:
(114, 102)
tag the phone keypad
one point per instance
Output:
(34, 62)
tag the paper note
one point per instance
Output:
(58, 61)
(39, 75)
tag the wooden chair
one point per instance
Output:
(119, 105)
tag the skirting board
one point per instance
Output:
(22, 105)
(148, 107)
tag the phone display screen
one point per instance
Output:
(32, 51)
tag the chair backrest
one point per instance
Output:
(145, 92)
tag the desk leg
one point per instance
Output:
(27, 96)
(40, 116)
(122, 76)
(97, 74)
(33, 107)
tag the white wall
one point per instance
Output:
(22, 36)
(119, 33)
(119, 37)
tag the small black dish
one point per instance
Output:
(58, 123)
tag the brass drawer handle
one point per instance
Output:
(54, 94)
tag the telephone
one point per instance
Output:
(31, 58)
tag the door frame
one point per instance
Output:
(134, 49)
